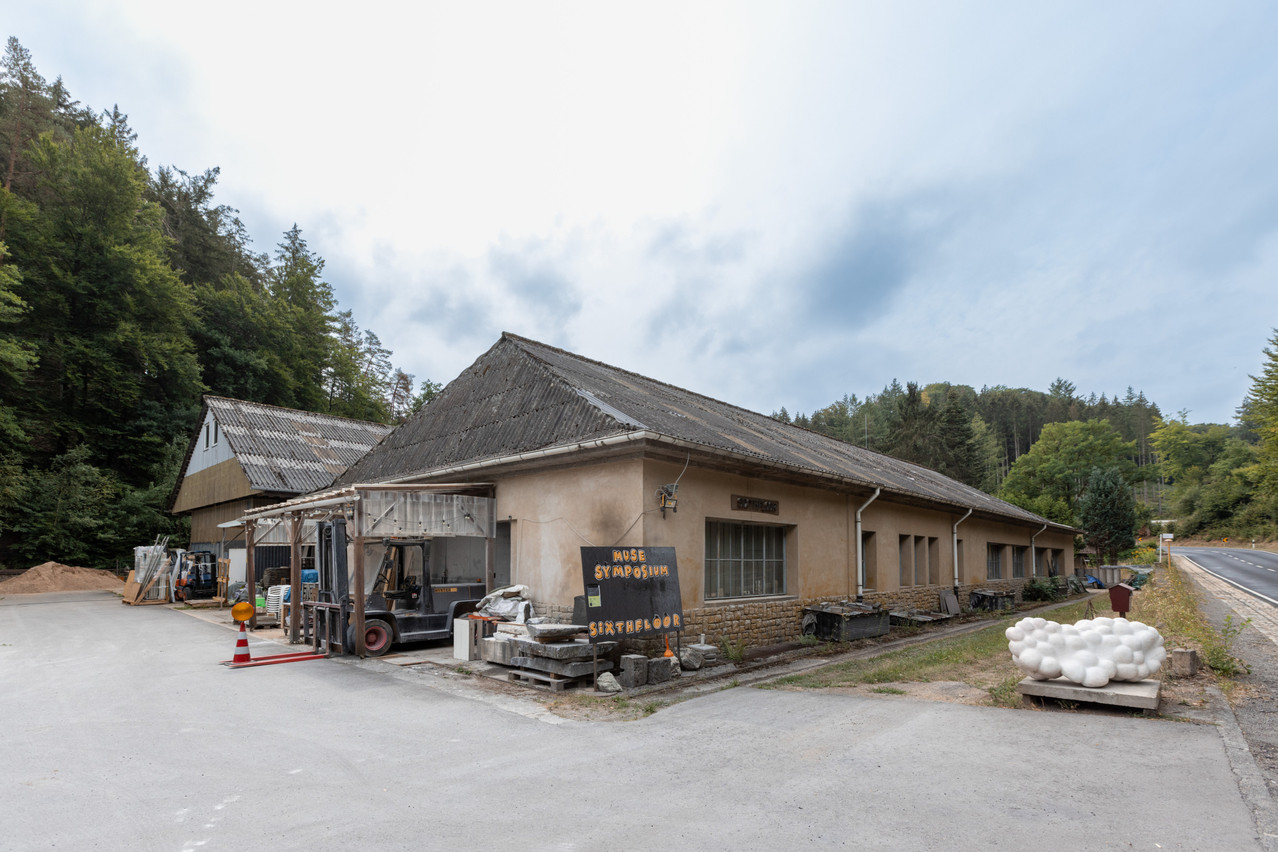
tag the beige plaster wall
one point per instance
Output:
(818, 524)
(555, 513)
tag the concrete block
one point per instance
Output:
(1184, 662)
(661, 669)
(634, 670)
(494, 650)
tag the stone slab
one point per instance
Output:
(1142, 695)
(562, 650)
(559, 667)
(555, 631)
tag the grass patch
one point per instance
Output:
(979, 658)
(889, 690)
(1168, 602)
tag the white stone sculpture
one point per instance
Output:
(1091, 652)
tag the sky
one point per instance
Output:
(773, 204)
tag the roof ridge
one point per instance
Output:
(659, 382)
(285, 408)
(524, 340)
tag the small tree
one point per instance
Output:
(1107, 513)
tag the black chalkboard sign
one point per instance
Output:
(631, 592)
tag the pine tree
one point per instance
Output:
(1107, 513)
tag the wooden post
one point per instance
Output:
(250, 579)
(357, 618)
(295, 578)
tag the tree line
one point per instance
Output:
(1111, 466)
(126, 293)
(976, 436)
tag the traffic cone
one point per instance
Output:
(241, 648)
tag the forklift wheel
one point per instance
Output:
(377, 637)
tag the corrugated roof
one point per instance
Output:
(522, 396)
(283, 450)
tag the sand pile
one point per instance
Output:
(56, 577)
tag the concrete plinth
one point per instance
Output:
(1142, 695)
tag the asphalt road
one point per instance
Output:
(1253, 571)
(121, 731)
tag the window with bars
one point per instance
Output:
(1018, 562)
(744, 560)
(994, 562)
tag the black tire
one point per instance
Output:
(378, 637)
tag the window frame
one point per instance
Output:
(748, 563)
(993, 561)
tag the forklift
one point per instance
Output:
(407, 601)
(196, 575)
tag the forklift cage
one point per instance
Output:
(372, 512)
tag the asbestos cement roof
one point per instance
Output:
(522, 397)
(286, 451)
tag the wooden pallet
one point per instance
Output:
(557, 683)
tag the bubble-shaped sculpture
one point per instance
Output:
(1091, 652)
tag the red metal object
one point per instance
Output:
(276, 659)
(1120, 598)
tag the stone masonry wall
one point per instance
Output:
(771, 622)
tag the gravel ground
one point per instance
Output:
(1255, 700)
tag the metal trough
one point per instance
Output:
(845, 621)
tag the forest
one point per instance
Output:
(127, 291)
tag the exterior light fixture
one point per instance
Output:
(666, 498)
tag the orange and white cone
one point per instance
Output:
(241, 648)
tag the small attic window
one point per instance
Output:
(207, 432)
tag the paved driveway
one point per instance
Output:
(122, 732)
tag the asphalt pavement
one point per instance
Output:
(123, 732)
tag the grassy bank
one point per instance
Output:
(981, 659)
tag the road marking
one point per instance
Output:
(1243, 601)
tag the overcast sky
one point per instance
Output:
(772, 204)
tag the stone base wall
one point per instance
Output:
(761, 623)
(555, 612)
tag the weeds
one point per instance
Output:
(1042, 589)
(1168, 602)
(889, 690)
(1004, 694)
(734, 652)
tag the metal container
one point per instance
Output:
(845, 621)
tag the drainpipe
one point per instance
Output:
(860, 556)
(1034, 553)
(956, 526)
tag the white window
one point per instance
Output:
(744, 560)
